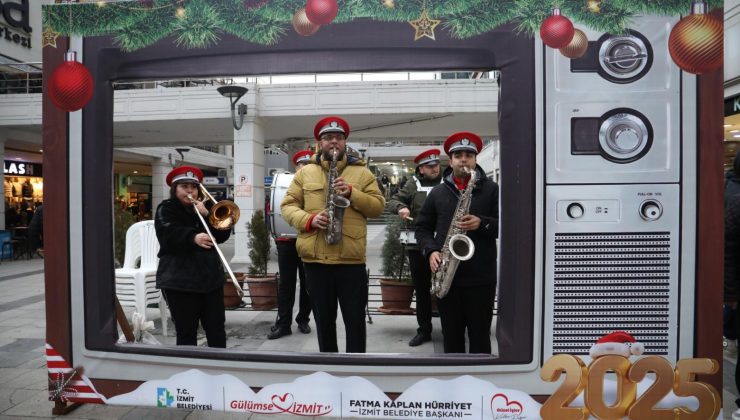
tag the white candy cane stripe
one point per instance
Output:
(60, 370)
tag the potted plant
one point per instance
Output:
(122, 220)
(396, 287)
(263, 287)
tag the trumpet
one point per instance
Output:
(231, 215)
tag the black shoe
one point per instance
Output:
(304, 328)
(419, 339)
(278, 332)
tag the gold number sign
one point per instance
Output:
(643, 408)
(556, 407)
(685, 386)
(626, 390)
(681, 380)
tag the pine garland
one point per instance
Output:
(611, 18)
(203, 22)
(199, 26)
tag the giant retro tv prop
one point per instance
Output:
(611, 189)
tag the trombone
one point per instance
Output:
(224, 214)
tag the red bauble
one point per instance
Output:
(302, 25)
(557, 30)
(321, 12)
(70, 86)
(696, 43)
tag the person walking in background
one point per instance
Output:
(289, 263)
(729, 313)
(407, 203)
(468, 306)
(36, 231)
(732, 270)
(190, 273)
(334, 272)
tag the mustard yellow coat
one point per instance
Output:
(307, 195)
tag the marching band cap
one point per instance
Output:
(302, 157)
(463, 140)
(185, 173)
(330, 125)
(428, 157)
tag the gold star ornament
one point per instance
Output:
(424, 26)
(49, 37)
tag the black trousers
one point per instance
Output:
(421, 274)
(468, 308)
(189, 308)
(346, 284)
(289, 263)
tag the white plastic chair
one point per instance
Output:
(136, 286)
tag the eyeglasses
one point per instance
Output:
(333, 136)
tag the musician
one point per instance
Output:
(406, 203)
(288, 264)
(334, 273)
(469, 302)
(190, 273)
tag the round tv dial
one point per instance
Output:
(574, 211)
(624, 58)
(625, 135)
(651, 210)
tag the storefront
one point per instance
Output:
(23, 190)
(134, 194)
(732, 130)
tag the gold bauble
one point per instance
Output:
(696, 43)
(302, 25)
(389, 4)
(577, 46)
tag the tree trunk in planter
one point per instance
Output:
(231, 297)
(263, 291)
(396, 297)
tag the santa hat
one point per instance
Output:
(619, 343)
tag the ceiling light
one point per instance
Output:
(136, 172)
(737, 136)
(734, 131)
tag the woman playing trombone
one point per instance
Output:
(190, 272)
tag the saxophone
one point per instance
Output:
(457, 247)
(335, 205)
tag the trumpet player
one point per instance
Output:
(190, 274)
(468, 305)
(332, 233)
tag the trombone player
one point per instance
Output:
(190, 274)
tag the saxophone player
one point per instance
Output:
(468, 305)
(335, 272)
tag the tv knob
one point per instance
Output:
(651, 210)
(574, 211)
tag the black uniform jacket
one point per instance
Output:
(435, 218)
(183, 265)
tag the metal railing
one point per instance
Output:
(27, 78)
(20, 78)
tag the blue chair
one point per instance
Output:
(6, 245)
